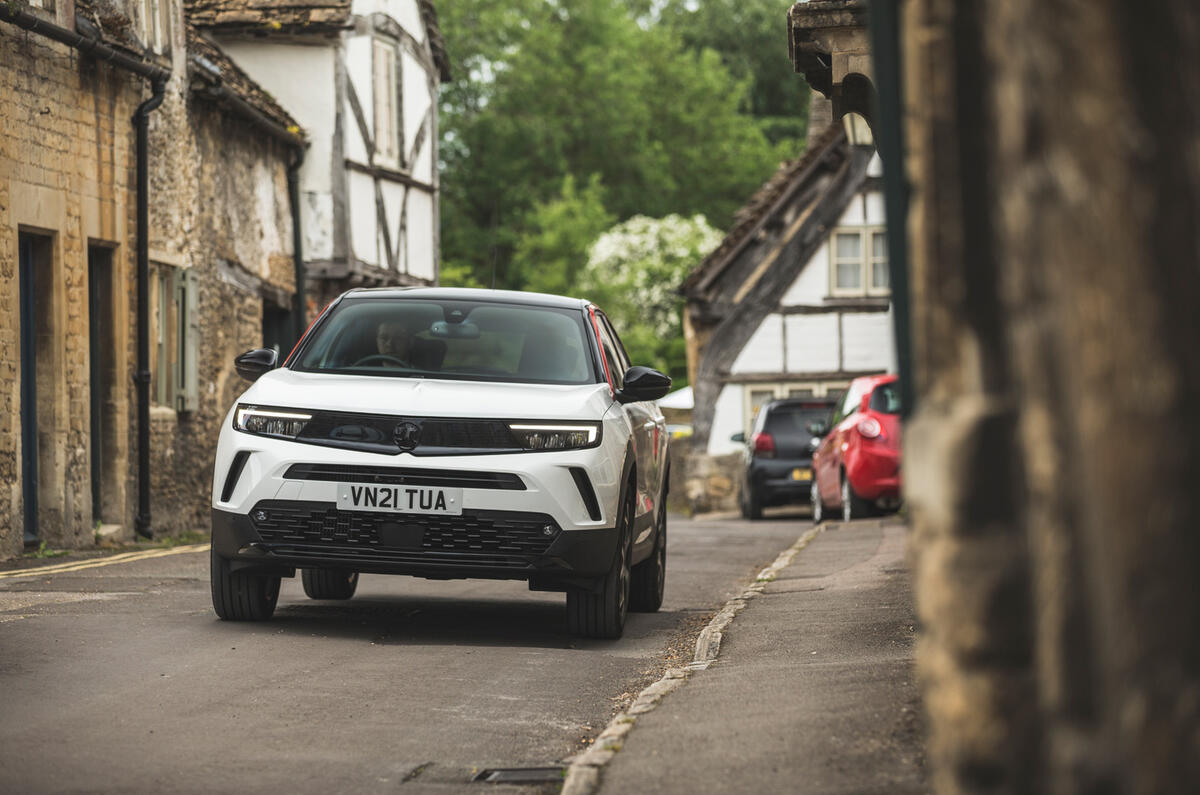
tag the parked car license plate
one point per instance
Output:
(398, 499)
(801, 473)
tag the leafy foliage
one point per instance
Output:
(633, 272)
(551, 89)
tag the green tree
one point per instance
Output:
(634, 270)
(579, 87)
(750, 36)
(553, 250)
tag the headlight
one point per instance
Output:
(556, 436)
(277, 423)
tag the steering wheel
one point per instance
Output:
(383, 357)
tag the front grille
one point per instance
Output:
(405, 476)
(438, 436)
(500, 538)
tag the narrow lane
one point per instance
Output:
(120, 678)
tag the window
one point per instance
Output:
(388, 130)
(859, 261)
(46, 5)
(155, 16)
(175, 321)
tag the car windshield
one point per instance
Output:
(886, 398)
(456, 340)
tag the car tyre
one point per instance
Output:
(853, 506)
(241, 596)
(752, 504)
(600, 613)
(649, 578)
(329, 583)
(818, 505)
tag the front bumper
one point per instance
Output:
(284, 535)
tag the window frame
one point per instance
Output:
(386, 92)
(867, 262)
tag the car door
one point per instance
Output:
(828, 460)
(649, 432)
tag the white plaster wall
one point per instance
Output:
(812, 343)
(300, 77)
(416, 98)
(876, 215)
(875, 167)
(393, 202)
(420, 234)
(811, 287)
(316, 221)
(360, 75)
(764, 352)
(361, 201)
(403, 11)
(867, 342)
(422, 167)
(727, 420)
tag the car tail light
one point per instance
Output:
(764, 443)
(869, 428)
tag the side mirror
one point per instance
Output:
(643, 383)
(252, 364)
(738, 437)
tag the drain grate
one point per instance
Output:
(520, 775)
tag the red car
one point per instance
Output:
(856, 466)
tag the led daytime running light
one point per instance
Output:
(270, 422)
(555, 437)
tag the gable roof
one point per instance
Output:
(313, 16)
(762, 207)
(264, 17)
(219, 66)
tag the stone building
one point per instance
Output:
(362, 77)
(102, 307)
(1042, 158)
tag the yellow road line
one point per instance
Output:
(125, 557)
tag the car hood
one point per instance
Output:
(424, 397)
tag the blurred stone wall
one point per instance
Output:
(1052, 460)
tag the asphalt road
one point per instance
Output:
(121, 679)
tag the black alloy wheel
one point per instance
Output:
(329, 583)
(240, 596)
(650, 576)
(601, 614)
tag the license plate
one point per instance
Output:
(801, 473)
(398, 499)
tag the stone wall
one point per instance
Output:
(1051, 463)
(66, 158)
(219, 209)
(701, 483)
(222, 204)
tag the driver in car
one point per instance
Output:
(394, 340)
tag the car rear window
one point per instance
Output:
(886, 398)
(456, 340)
(792, 422)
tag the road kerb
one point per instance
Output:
(80, 565)
(583, 772)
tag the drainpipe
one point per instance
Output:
(141, 119)
(84, 38)
(300, 308)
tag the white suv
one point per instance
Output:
(446, 433)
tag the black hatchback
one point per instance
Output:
(779, 453)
